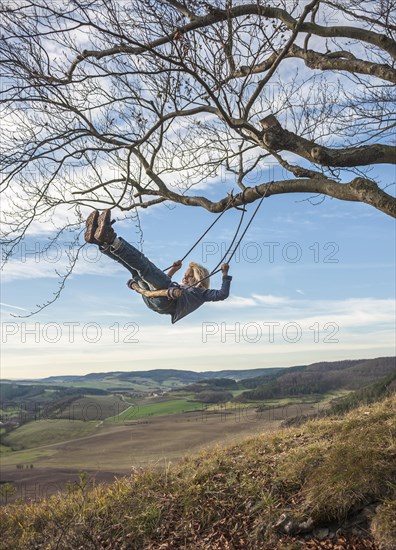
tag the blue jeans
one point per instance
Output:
(143, 271)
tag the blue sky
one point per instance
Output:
(310, 283)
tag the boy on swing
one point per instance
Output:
(156, 287)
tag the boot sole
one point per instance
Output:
(91, 227)
(103, 224)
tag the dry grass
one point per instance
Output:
(229, 497)
(384, 524)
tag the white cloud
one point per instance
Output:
(12, 307)
(269, 299)
(30, 265)
(317, 330)
(238, 302)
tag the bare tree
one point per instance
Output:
(131, 103)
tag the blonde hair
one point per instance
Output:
(200, 272)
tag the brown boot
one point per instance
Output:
(91, 226)
(105, 234)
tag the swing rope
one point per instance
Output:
(217, 269)
(232, 198)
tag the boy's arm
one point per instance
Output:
(175, 267)
(223, 293)
(133, 285)
(224, 269)
(177, 292)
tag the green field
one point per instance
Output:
(185, 402)
(94, 408)
(104, 384)
(28, 456)
(127, 384)
(236, 392)
(157, 409)
(9, 412)
(45, 432)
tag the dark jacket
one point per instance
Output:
(190, 300)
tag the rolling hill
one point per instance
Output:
(319, 378)
(330, 483)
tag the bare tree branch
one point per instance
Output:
(277, 138)
(130, 106)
